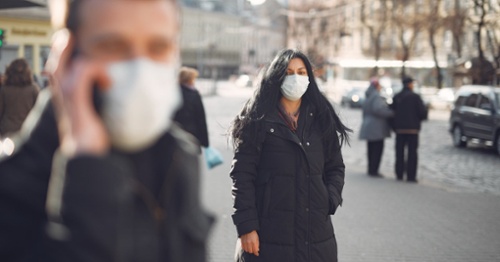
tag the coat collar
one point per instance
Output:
(277, 126)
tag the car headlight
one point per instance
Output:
(355, 98)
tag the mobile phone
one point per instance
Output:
(97, 99)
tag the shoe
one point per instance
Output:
(376, 175)
(399, 178)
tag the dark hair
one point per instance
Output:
(73, 18)
(267, 96)
(18, 73)
(406, 81)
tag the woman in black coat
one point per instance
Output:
(287, 171)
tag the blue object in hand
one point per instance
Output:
(213, 157)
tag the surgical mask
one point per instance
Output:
(294, 86)
(139, 106)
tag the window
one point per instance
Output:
(484, 103)
(28, 55)
(459, 101)
(471, 100)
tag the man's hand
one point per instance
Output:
(71, 80)
(250, 243)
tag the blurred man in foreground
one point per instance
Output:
(105, 175)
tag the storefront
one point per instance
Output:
(29, 39)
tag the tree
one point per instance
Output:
(482, 70)
(408, 23)
(376, 21)
(493, 36)
(434, 24)
(456, 24)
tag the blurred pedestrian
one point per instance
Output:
(191, 116)
(409, 112)
(17, 96)
(287, 171)
(375, 127)
(124, 179)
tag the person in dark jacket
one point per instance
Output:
(17, 96)
(191, 116)
(409, 111)
(375, 127)
(287, 171)
(109, 176)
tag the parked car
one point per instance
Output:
(476, 116)
(354, 97)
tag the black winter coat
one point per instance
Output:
(286, 188)
(191, 116)
(409, 110)
(120, 207)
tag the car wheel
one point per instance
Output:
(457, 137)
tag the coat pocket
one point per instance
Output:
(263, 196)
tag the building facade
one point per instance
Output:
(354, 37)
(220, 38)
(228, 37)
(28, 34)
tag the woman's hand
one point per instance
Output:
(71, 81)
(250, 243)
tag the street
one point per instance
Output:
(452, 214)
(474, 169)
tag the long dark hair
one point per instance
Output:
(18, 73)
(267, 96)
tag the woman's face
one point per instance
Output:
(296, 66)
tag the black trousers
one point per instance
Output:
(408, 165)
(375, 150)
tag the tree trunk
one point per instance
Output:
(480, 26)
(439, 76)
(457, 33)
(406, 56)
(479, 42)
(377, 55)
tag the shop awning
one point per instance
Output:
(9, 4)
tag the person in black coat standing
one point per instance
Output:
(409, 112)
(287, 171)
(191, 116)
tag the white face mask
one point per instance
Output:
(294, 86)
(139, 106)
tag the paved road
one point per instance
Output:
(452, 215)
